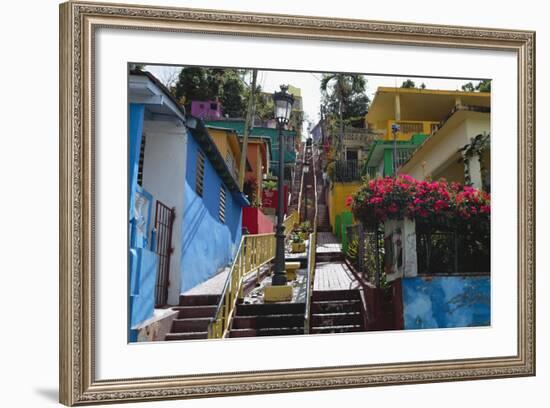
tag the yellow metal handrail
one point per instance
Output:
(291, 221)
(254, 252)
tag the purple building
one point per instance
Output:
(209, 110)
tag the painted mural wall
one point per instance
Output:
(208, 245)
(446, 301)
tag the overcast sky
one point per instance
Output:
(309, 84)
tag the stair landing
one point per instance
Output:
(334, 276)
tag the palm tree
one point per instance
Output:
(344, 86)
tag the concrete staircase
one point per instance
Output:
(270, 319)
(323, 224)
(195, 314)
(297, 182)
(336, 311)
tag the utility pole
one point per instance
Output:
(248, 125)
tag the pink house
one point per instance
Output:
(209, 110)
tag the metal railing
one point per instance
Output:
(366, 251)
(312, 250)
(451, 252)
(254, 252)
(348, 170)
(301, 182)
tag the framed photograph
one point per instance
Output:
(255, 203)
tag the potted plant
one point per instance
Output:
(305, 229)
(297, 244)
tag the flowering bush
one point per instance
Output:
(433, 204)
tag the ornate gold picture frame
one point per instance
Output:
(79, 22)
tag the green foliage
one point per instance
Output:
(469, 87)
(483, 86)
(203, 84)
(306, 226)
(408, 84)
(344, 95)
(269, 184)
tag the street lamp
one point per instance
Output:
(283, 106)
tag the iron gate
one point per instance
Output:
(164, 221)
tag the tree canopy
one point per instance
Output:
(344, 95)
(482, 86)
(203, 84)
(408, 84)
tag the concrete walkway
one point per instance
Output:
(327, 242)
(212, 286)
(334, 276)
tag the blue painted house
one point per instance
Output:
(185, 207)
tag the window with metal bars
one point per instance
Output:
(140, 162)
(222, 204)
(199, 178)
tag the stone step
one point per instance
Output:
(343, 294)
(186, 312)
(190, 325)
(186, 336)
(336, 319)
(199, 300)
(338, 306)
(336, 329)
(270, 309)
(269, 321)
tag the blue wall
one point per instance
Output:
(446, 301)
(142, 262)
(207, 243)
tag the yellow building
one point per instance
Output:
(409, 116)
(227, 142)
(457, 148)
(439, 133)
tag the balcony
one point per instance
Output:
(347, 170)
(409, 128)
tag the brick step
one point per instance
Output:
(186, 312)
(199, 300)
(343, 294)
(186, 336)
(190, 325)
(337, 329)
(336, 319)
(338, 306)
(269, 321)
(270, 309)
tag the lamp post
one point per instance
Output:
(283, 106)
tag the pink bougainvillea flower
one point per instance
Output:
(349, 201)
